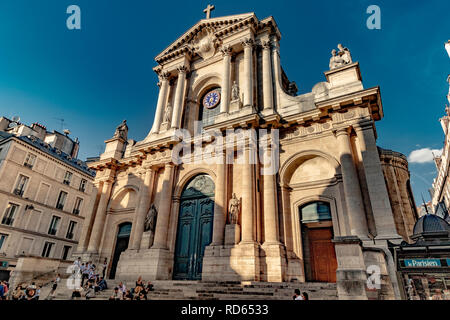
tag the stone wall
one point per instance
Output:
(397, 176)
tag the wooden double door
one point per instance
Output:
(322, 254)
(195, 226)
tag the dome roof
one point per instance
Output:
(431, 224)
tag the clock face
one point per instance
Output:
(211, 99)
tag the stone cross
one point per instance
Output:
(208, 10)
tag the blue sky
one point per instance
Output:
(97, 76)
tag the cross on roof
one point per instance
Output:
(208, 10)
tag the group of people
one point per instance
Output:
(139, 292)
(300, 296)
(94, 281)
(24, 292)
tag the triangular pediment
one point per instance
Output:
(218, 24)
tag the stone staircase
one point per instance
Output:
(198, 290)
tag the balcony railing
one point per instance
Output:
(76, 211)
(82, 188)
(52, 232)
(69, 236)
(18, 192)
(66, 182)
(60, 206)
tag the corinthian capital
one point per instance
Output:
(183, 69)
(266, 44)
(164, 75)
(248, 43)
(226, 50)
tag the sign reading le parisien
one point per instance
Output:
(423, 263)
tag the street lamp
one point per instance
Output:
(447, 47)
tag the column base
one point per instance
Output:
(295, 268)
(274, 262)
(150, 264)
(351, 276)
(231, 263)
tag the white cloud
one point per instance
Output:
(423, 155)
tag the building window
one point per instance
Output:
(71, 230)
(67, 178)
(61, 200)
(8, 218)
(66, 251)
(83, 185)
(20, 186)
(48, 246)
(54, 225)
(3, 238)
(30, 160)
(77, 207)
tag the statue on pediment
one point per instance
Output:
(341, 58)
(234, 210)
(336, 61)
(122, 131)
(345, 54)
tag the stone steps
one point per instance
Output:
(197, 290)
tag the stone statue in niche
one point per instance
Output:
(168, 114)
(122, 131)
(150, 219)
(235, 91)
(234, 210)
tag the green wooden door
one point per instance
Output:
(195, 225)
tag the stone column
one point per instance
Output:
(270, 205)
(164, 78)
(162, 221)
(220, 202)
(275, 253)
(267, 76)
(247, 195)
(144, 205)
(248, 72)
(226, 51)
(100, 217)
(352, 190)
(87, 224)
(379, 197)
(179, 97)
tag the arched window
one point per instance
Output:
(210, 106)
(315, 212)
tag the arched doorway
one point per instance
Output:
(195, 226)
(123, 237)
(318, 248)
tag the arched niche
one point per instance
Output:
(308, 166)
(124, 199)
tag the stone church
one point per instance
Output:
(325, 214)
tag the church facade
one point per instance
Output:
(241, 179)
